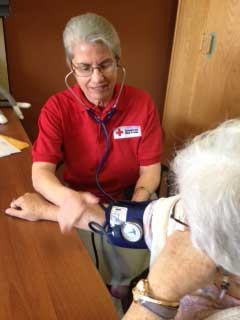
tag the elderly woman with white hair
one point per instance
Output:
(107, 134)
(193, 237)
(198, 246)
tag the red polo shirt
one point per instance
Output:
(68, 133)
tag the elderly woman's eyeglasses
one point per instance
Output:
(86, 70)
(172, 216)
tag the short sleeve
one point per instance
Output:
(48, 145)
(150, 148)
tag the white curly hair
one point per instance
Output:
(207, 173)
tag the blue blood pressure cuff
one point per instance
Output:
(124, 224)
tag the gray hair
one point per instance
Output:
(90, 27)
(207, 173)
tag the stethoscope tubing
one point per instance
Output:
(102, 124)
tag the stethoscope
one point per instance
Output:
(102, 124)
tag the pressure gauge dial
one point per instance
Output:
(131, 231)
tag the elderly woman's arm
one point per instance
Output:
(71, 203)
(33, 207)
(179, 270)
(75, 203)
(148, 182)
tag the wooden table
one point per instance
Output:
(43, 274)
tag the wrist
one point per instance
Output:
(141, 193)
(143, 295)
(161, 289)
(49, 212)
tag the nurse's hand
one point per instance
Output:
(73, 207)
(92, 213)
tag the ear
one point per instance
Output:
(70, 66)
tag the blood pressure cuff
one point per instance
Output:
(124, 224)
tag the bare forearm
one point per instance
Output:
(33, 207)
(48, 185)
(92, 213)
(49, 212)
(147, 183)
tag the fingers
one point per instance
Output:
(73, 209)
(15, 205)
(24, 207)
(67, 218)
(13, 212)
(22, 214)
(19, 214)
(66, 223)
(90, 198)
(18, 203)
(64, 226)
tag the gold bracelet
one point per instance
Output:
(142, 293)
(141, 187)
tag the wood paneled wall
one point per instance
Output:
(35, 54)
(203, 87)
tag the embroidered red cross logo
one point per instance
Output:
(119, 132)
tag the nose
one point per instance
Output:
(97, 75)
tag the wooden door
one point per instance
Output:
(204, 79)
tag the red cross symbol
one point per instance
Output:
(119, 132)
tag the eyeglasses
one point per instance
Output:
(178, 220)
(86, 70)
